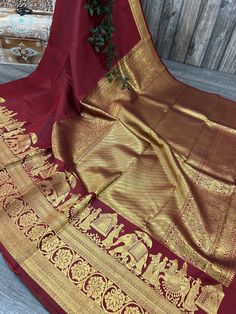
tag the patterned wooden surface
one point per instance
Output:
(197, 32)
(15, 298)
(42, 5)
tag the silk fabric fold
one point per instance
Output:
(117, 201)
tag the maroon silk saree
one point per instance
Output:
(117, 201)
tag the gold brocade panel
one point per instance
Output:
(160, 162)
(66, 236)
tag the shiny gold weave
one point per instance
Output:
(164, 157)
(161, 156)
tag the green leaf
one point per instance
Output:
(91, 11)
(102, 36)
(91, 40)
(100, 43)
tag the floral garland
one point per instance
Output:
(102, 38)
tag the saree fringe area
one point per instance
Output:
(117, 201)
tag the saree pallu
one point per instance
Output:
(117, 201)
(23, 39)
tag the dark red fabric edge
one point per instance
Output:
(50, 305)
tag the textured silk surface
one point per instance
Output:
(117, 201)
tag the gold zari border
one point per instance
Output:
(43, 272)
(127, 281)
(19, 191)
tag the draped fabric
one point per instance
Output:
(117, 201)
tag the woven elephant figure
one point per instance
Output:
(132, 249)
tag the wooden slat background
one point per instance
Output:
(196, 32)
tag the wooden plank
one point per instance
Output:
(185, 28)
(221, 34)
(153, 10)
(196, 32)
(14, 296)
(144, 5)
(202, 32)
(228, 63)
(207, 80)
(168, 23)
(9, 72)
